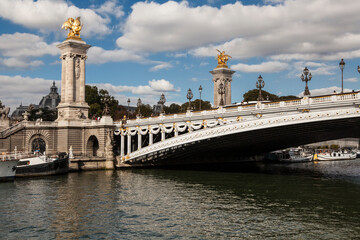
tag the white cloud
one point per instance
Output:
(98, 55)
(19, 63)
(154, 87)
(49, 15)
(163, 65)
(315, 68)
(351, 79)
(325, 91)
(265, 67)
(111, 8)
(25, 45)
(18, 89)
(294, 29)
(18, 50)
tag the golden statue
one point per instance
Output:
(74, 27)
(222, 59)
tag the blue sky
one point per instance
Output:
(145, 48)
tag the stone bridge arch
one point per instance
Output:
(92, 146)
(34, 137)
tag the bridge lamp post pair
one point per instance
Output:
(306, 77)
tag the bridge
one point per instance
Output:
(231, 134)
(227, 133)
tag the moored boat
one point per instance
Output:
(7, 168)
(42, 165)
(333, 156)
(295, 155)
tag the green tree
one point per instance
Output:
(93, 97)
(173, 108)
(289, 97)
(253, 95)
(43, 113)
(145, 110)
(205, 105)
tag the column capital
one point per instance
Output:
(83, 57)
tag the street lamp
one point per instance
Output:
(260, 84)
(200, 90)
(342, 66)
(221, 91)
(128, 101)
(162, 102)
(138, 106)
(189, 96)
(306, 79)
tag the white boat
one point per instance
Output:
(8, 167)
(42, 165)
(333, 156)
(289, 156)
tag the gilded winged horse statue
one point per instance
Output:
(74, 25)
(222, 58)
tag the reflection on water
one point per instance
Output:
(305, 201)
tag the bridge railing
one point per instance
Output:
(243, 108)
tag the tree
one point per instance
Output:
(173, 108)
(253, 95)
(145, 110)
(205, 105)
(44, 113)
(93, 97)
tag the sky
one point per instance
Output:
(141, 49)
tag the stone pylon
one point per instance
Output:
(222, 75)
(72, 106)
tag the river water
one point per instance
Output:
(268, 201)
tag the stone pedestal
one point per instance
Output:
(73, 105)
(222, 75)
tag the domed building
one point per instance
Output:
(51, 100)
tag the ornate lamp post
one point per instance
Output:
(260, 84)
(138, 106)
(162, 102)
(221, 91)
(128, 101)
(189, 96)
(342, 66)
(305, 79)
(200, 90)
